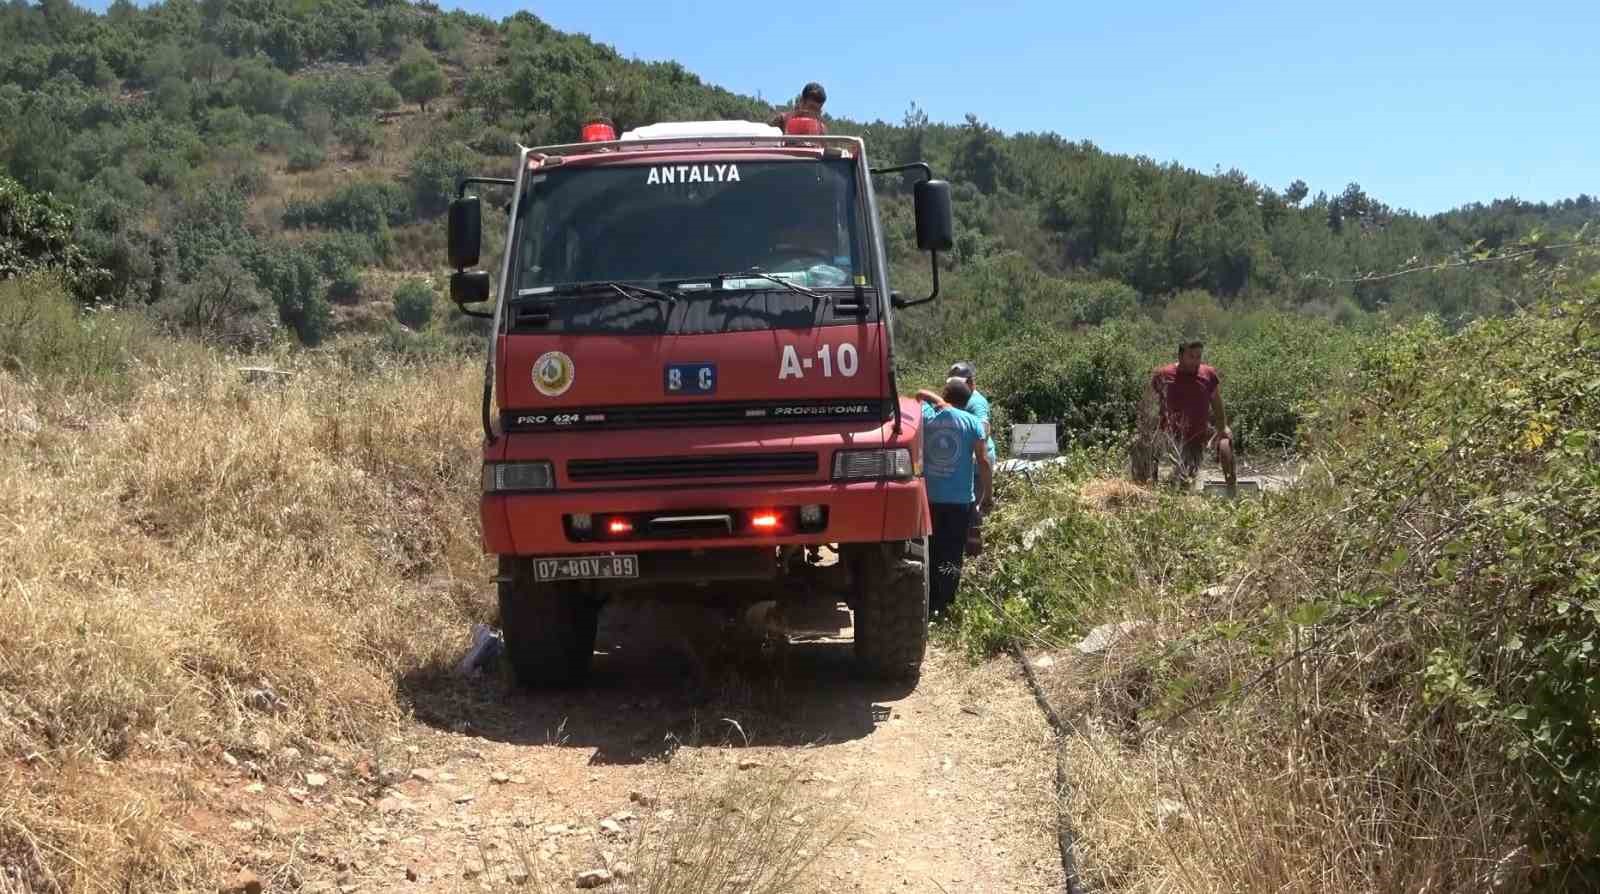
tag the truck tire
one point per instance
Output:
(890, 581)
(549, 629)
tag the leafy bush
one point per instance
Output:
(344, 286)
(36, 233)
(434, 173)
(289, 275)
(223, 304)
(306, 156)
(359, 135)
(1475, 486)
(364, 205)
(413, 303)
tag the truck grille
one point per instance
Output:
(689, 413)
(726, 465)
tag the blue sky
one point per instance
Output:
(1427, 105)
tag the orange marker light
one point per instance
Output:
(764, 521)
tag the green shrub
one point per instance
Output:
(434, 172)
(363, 206)
(289, 275)
(344, 286)
(413, 303)
(223, 304)
(45, 336)
(306, 157)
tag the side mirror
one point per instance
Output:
(470, 287)
(466, 233)
(936, 226)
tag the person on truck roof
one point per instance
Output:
(954, 460)
(1183, 408)
(812, 98)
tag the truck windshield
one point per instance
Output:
(671, 222)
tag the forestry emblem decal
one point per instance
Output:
(553, 373)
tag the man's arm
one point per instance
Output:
(1219, 416)
(932, 397)
(980, 454)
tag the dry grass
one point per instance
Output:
(203, 559)
(1114, 494)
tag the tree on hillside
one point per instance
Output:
(1296, 193)
(418, 77)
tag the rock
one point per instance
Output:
(245, 882)
(264, 700)
(465, 798)
(261, 743)
(622, 870)
(243, 826)
(611, 826)
(518, 876)
(626, 816)
(1043, 661)
(750, 764)
(556, 829)
(592, 878)
(422, 774)
(255, 788)
(289, 755)
(519, 780)
(642, 799)
(1106, 635)
(229, 759)
(316, 780)
(412, 874)
(499, 778)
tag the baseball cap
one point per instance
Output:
(963, 369)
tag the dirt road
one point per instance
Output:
(946, 787)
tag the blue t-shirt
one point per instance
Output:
(978, 405)
(948, 436)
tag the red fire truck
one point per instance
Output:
(690, 389)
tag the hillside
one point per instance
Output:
(314, 145)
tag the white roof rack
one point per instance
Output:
(672, 130)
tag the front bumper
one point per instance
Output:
(857, 512)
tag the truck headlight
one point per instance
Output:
(509, 477)
(894, 463)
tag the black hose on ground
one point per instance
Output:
(1066, 836)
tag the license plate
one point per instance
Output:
(586, 567)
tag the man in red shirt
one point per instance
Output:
(1182, 411)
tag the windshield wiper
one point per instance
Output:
(625, 289)
(758, 273)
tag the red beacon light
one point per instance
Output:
(599, 129)
(800, 124)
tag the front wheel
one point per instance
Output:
(890, 599)
(549, 629)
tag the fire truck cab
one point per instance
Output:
(690, 390)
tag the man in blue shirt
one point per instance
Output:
(953, 455)
(977, 405)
